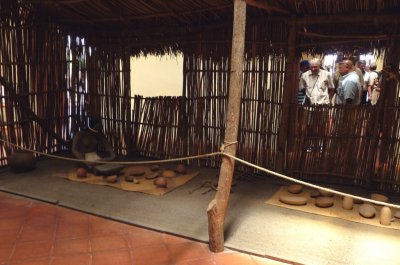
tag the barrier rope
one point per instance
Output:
(312, 185)
(111, 162)
(214, 154)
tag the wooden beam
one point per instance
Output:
(217, 208)
(47, 2)
(340, 42)
(345, 19)
(264, 5)
(291, 66)
(149, 16)
(317, 35)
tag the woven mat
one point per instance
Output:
(144, 185)
(335, 211)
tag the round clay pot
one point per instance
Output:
(129, 178)
(315, 194)
(367, 210)
(326, 193)
(168, 173)
(181, 168)
(324, 202)
(152, 175)
(111, 179)
(379, 197)
(161, 182)
(21, 161)
(81, 172)
(293, 200)
(295, 188)
(137, 172)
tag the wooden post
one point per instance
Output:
(287, 95)
(294, 110)
(218, 206)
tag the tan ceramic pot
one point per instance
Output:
(347, 203)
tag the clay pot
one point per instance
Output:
(21, 161)
(137, 172)
(181, 168)
(379, 197)
(81, 172)
(168, 173)
(152, 175)
(326, 193)
(161, 182)
(367, 210)
(111, 179)
(315, 194)
(295, 188)
(131, 178)
(324, 202)
(347, 203)
(292, 200)
(386, 216)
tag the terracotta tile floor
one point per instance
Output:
(37, 233)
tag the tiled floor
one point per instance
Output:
(36, 233)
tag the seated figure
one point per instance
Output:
(91, 145)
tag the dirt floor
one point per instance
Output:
(251, 225)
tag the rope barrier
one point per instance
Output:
(312, 185)
(214, 154)
(112, 162)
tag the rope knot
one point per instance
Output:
(226, 144)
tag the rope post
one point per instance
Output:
(217, 208)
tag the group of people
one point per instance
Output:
(351, 84)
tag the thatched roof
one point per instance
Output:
(323, 25)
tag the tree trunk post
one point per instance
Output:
(290, 74)
(217, 208)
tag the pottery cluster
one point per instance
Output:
(323, 198)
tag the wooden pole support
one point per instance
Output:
(217, 208)
(287, 95)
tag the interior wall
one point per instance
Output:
(154, 76)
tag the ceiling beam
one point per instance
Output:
(344, 19)
(149, 16)
(317, 35)
(264, 5)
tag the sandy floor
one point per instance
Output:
(251, 224)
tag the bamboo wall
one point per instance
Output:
(197, 124)
(51, 81)
(32, 74)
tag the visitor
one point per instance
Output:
(349, 87)
(304, 67)
(365, 96)
(317, 83)
(373, 85)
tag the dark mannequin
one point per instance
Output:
(91, 144)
